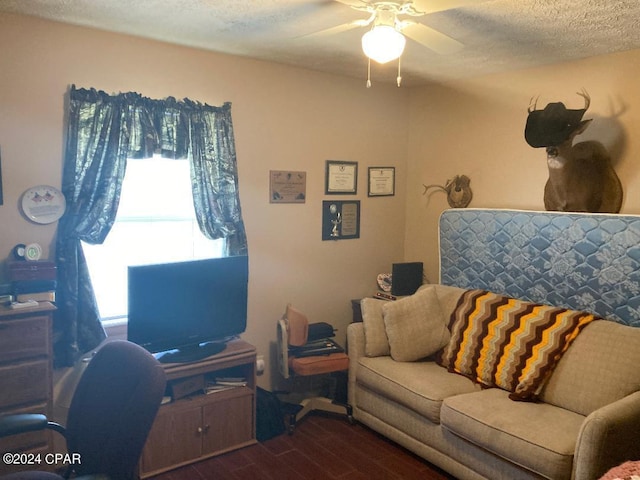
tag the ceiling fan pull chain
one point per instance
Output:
(399, 78)
(369, 74)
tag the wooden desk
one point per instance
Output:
(26, 375)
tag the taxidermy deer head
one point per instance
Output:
(458, 191)
(581, 177)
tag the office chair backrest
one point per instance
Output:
(113, 408)
(293, 329)
(297, 326)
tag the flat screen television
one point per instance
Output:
(187, 311)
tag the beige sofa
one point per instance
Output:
(587, 418)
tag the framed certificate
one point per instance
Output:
(382, 181)
(341, 178)
(287, 187)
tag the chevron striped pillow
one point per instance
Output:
(512, 344)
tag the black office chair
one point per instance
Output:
(110, 416)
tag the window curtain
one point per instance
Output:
(103, 131)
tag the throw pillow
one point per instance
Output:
(415, 326)
(376, 343)
(507, 343)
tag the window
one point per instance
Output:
(156, 223)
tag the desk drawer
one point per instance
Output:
(25, 383)
(24, 338)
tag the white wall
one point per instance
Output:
(294, 119)
(284, 118)
(476, 127)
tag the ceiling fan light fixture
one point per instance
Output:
(383, 43)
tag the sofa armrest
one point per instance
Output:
(355, 340)
(355, 348)
(608, 437)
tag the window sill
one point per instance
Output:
(116, 329)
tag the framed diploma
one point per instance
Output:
(287, 187)
(340, 220)
(382, 181)
(341, 178)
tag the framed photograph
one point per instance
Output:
(340, 220)
(287, 187)
(341, 178)
(382, 181)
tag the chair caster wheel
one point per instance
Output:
(350, 419)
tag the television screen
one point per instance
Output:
(192, 307)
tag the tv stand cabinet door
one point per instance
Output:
(174, 440)
(227, 425)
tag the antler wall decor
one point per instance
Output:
(581, 176)
(458, 191)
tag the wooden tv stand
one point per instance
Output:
(198, 425)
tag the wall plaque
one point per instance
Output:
(287, 187)
(340, 220)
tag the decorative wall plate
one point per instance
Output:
(43, 204)
(384, 281)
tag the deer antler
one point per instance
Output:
(427, 187)
(587, 98)
(535, 103)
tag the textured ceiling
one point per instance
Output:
(497, 35)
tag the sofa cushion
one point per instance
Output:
(419, 386)
(376, 342)
(509, 343)
(601, 366)
(448, 296)
(537, 436)
(415, 326)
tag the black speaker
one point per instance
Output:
(406, 278)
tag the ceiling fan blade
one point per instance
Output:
(432, 6)
(353, 3)
(430, 38)
(339, 28)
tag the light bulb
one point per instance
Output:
(383, 43)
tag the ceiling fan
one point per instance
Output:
(388, 13)
(385, 41)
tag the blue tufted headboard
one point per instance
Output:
(579, 261)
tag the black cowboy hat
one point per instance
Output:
(552, 126)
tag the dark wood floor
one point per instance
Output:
(322, 447)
